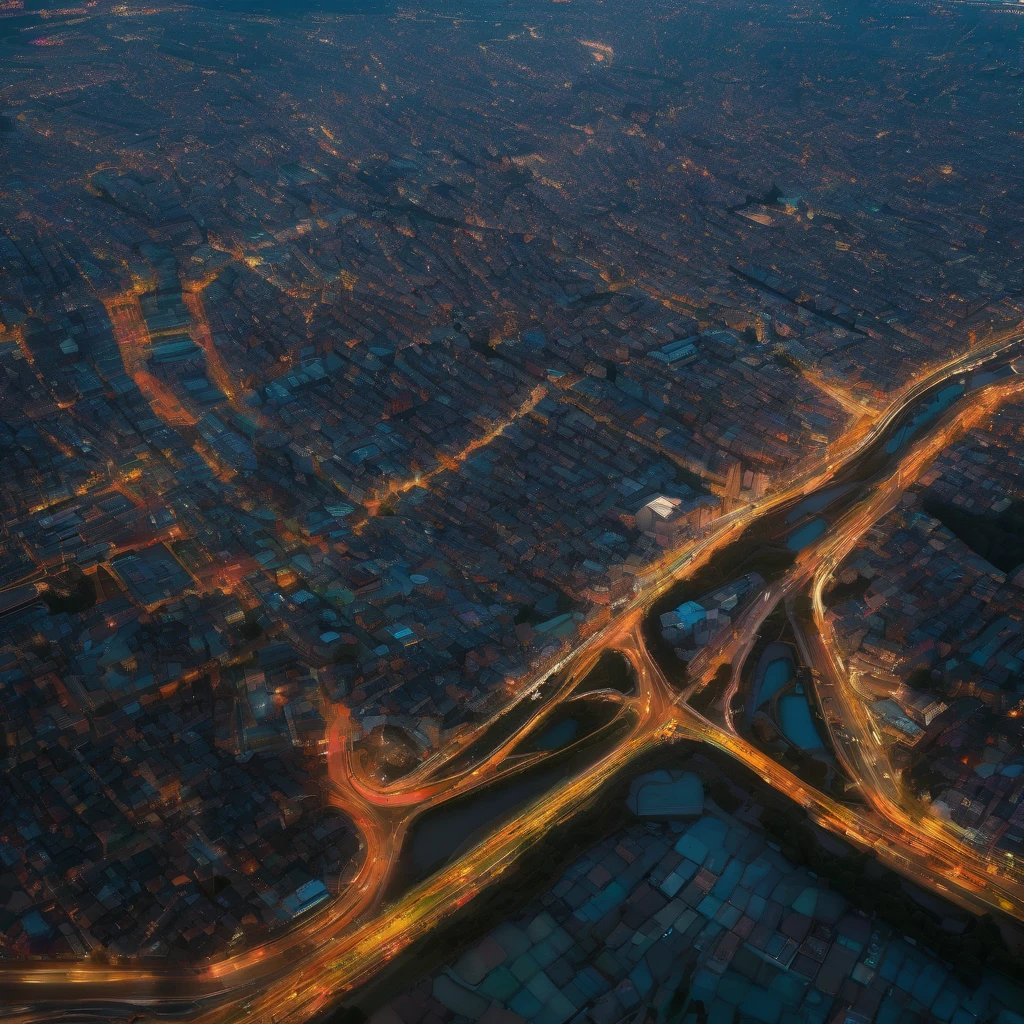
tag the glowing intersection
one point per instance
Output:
(294, 975)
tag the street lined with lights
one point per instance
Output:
(294, 975)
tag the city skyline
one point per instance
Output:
(424, 425)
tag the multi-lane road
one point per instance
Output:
(293, 975)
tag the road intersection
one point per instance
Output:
(293, 975)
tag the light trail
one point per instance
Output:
(215, 365)
(449, 463)
(287, 978)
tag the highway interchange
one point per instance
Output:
(295, 975)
